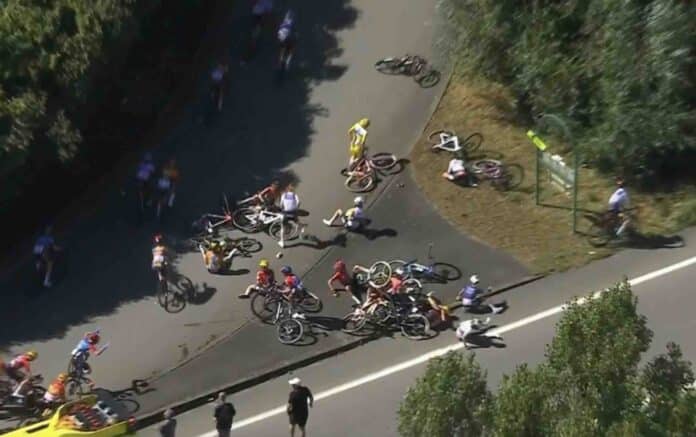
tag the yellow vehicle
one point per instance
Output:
(97, 415)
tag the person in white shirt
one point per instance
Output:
(456, 171)
(289, 201)
(618, 203)
(474, 327)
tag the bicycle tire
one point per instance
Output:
(240, 221)
(597, 235)
(396, 263)
(380, 273)
(435, 138)
(489, 168)
(354, 322)
(289, 331)
(415, 65)
(248, 245)
(383, 161)
(290, 230)
(259, 307)
(382, 313)
(415, 327)
(270, 308)
(413, 284)
(311, 303)
(357, 184)
(428, 78)
(389, 66)
(74, 389)
(472, 142)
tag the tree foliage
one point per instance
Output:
(622, 73)
(590, 384)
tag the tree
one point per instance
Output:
(450, 399)
(589, 384)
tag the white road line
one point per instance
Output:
(442, 351)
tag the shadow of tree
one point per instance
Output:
(261, 130)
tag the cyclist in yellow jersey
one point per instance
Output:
(357, 135)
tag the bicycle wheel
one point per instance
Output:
(360, 183)
(260, 309)
(240, 218)
(270, 308)
(290, 229)
(380, 274)
(74, 389)
(472, 142)
(289, 331)
(598, 235)
(310, 302)
(248, 245)
(511, 177)
(428, 78)
(415, 327)
(413, 285)
(354, 322)
(382, 161)
(389, 66)
(416, 65)
(382, 313)
(172, 301)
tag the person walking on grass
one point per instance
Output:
(224, 415)
(299, 402)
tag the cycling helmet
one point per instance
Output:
(31, 355)
(364, 122)
(93, 338)
(158, 238)
(168, 413)
(339, 265)
(286, 270)
(358, 201)
(263, 263)
(62, 377)
(474, 279)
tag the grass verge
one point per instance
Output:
(540, 237)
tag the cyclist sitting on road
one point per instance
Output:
(44, 251)
(15, 369)
(286, 39)
(353, 219)
(292, 284)
(618, 203)
(55, 394)
(357, 135)
(438, 307)
(264, 280)
(289, 201)
(456, 170)
(212, 256)
(340, 274)
(470, 297)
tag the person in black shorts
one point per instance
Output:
(299, 402)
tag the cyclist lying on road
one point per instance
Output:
(457, 171)
(353, 219)
(473, 327)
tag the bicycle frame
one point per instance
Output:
(265, 217)
(449, 143)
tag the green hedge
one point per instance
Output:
(67, 71)
(621, 72)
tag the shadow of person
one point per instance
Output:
(315, 242)
(373, 234)
(654, 241)
(326, 323)
(201, 295)
(483, 341)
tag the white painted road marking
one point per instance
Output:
(442, 351)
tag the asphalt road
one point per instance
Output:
(348, 406)
(297, 131)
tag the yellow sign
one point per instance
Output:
(536, 140)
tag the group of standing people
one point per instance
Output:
(300, 400)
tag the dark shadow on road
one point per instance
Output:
(373, 234)
(261, 130)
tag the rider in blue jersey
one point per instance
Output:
(44, 253)
(286, 39)
(470, 297)
(84, 348)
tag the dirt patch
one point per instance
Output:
(540, 237)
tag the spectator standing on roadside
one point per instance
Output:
(168, 427)
(299, 402)
(224, 415)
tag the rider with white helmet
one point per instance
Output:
(470, 296)
(353, 218)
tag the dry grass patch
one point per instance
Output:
(538, 236)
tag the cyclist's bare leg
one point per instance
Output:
(332, 221)
(49, 270)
